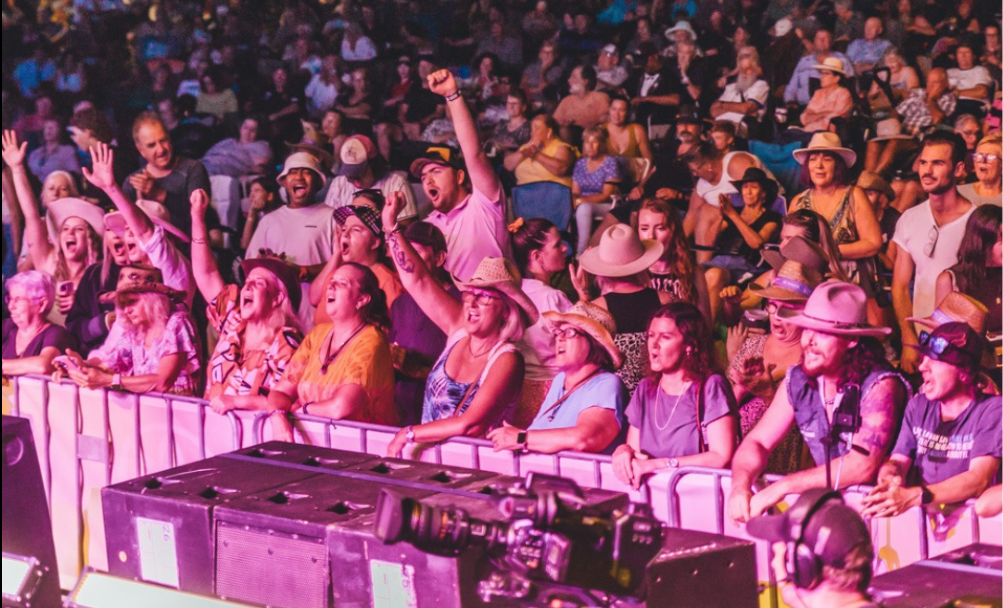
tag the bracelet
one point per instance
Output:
(456, 95)
(196, 241)
(395, 230)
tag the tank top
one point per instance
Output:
(710, 193)
(843, 224)
(632, 311)
(632, 149)
(443, 394)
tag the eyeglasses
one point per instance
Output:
(773, 307)
(479, 297)
(985, 158)
(568, 333)
(934, 236)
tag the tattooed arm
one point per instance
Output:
(880, 412)
(443, 309)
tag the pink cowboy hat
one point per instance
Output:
(836, 308)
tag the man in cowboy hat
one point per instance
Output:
(950, 445)
(840, 350)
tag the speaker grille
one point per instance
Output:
(270, 569)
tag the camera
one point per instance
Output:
(548, 535)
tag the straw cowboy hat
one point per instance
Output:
(621, 253)
(594, 321)
(502, 276)
(303, 160)
(836, 308)
(155, 288)
(283, 271)
(157, 213)
(800, 250)
(888, 129)
(65, 208)
(869, 180)
(956, 307)
(826, 142)
(831, 64)
(794, 282)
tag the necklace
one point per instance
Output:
(679, 397)
(331, 357)
(470, 349)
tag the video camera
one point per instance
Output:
(549, 535)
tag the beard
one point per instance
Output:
(743, 83)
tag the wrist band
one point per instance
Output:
(454, 96)
(198, 241)
(395, 230)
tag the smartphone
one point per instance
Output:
(65, 288)
(66, 364)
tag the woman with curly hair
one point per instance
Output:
(675, 273)
(685, 413)
(979, 271)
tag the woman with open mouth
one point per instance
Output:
(63, 245)
(476, 383)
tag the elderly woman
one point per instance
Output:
(684, 415)
(582, 411)
(988, 159)
(831, 100)
(596, 178)
(30, 342)
(343, 369)
(157, 351)
(475, 384)
(546, 158)
(258, 329)
(67, 241)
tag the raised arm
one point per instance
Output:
(102, 176)
(207, 277)
(36, 235)
(443, 309)
(482, 174)
(16, 216)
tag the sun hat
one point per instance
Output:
(869, 180)
(800, 250)
(157, 213)
(366, 215)
(302, 160)
(826, 142)
(794, 282)
(831, 64)
(503, 276)
(952, 343)
(782, 27)
(888, 129)
(356, 154)
(681, 26)
(835, 308)
(438, 155)
(757, 175)
(65, 208)
(596, 322)
(621, 253)
(956, 307)
(310, 147)
(283, 271)
(155, 288)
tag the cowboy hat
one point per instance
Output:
(887, 129)
(869, 180)
(157, 213)
(826, 142)
(283, 271)
(956, 307)
(155, 288)
(302, 160)
(800, 250)
(794, 282)
(682, 26)
(65, 208)
(502, 275)
(835, 308)
(594, 321)
(754, 174)
(621, 253)
(831, 64)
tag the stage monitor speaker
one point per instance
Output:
(937, 584)
(27, 528)
(100, 590)
(706, 570)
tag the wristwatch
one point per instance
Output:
(116, 382)
(409, 435)
(673, 463)
(522, 439)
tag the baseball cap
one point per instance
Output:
(366, 214)
(952, 343)
(609, 49)
(438, 155)
(356, 153)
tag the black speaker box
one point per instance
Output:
(27, 527)
(705, 570)
(970, 576)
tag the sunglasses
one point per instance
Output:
(937, 346)
(985, 158)
(931, 247)
(568, 333)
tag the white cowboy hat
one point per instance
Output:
(826, 142)
(621, 253)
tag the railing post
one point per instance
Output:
(140, 468)
(15, 401)
(171, 451)
(201, 430)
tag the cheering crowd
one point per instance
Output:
(756, 234)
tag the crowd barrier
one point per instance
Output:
(90, 439)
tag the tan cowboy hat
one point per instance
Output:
(887, 129)
(800, 250)
(155, 288)
(956, 308)
(65, 208)
(794, 282)
(503, 276)
(594, 321)
(826, 142)
(831, 64)
(303, 160)
(157, 213)
(869, 180)
(621, 253)
(836, 308)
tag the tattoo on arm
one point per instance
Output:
(878, 426)
(404, 264)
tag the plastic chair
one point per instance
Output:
(546, 200)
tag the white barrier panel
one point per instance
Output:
(90, 439)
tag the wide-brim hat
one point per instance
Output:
(956, 308)
(283, 271)
(65, 208)
(502, 275)
(757, 175)
(682, 26)
(596, 322)
(835, 308)
(439, 155)
(157, 213)
(154, 274)
(302, 160)
(869, 180)
(356, 154)
(888, 129)
(800, 250)
(831, 64)
(826, 142)
(794, 282)
(621, 253)
(154, 288)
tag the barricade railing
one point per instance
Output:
(104, 438)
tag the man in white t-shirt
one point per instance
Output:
(746, 96)
(303, 230)
(322, 92)
(362, 168)
(969, 81)
(929, 235)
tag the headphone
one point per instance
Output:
(804, 568)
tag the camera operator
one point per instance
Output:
(840, 351)
(822, 552)
(949, 448)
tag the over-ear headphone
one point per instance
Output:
(804, 568)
